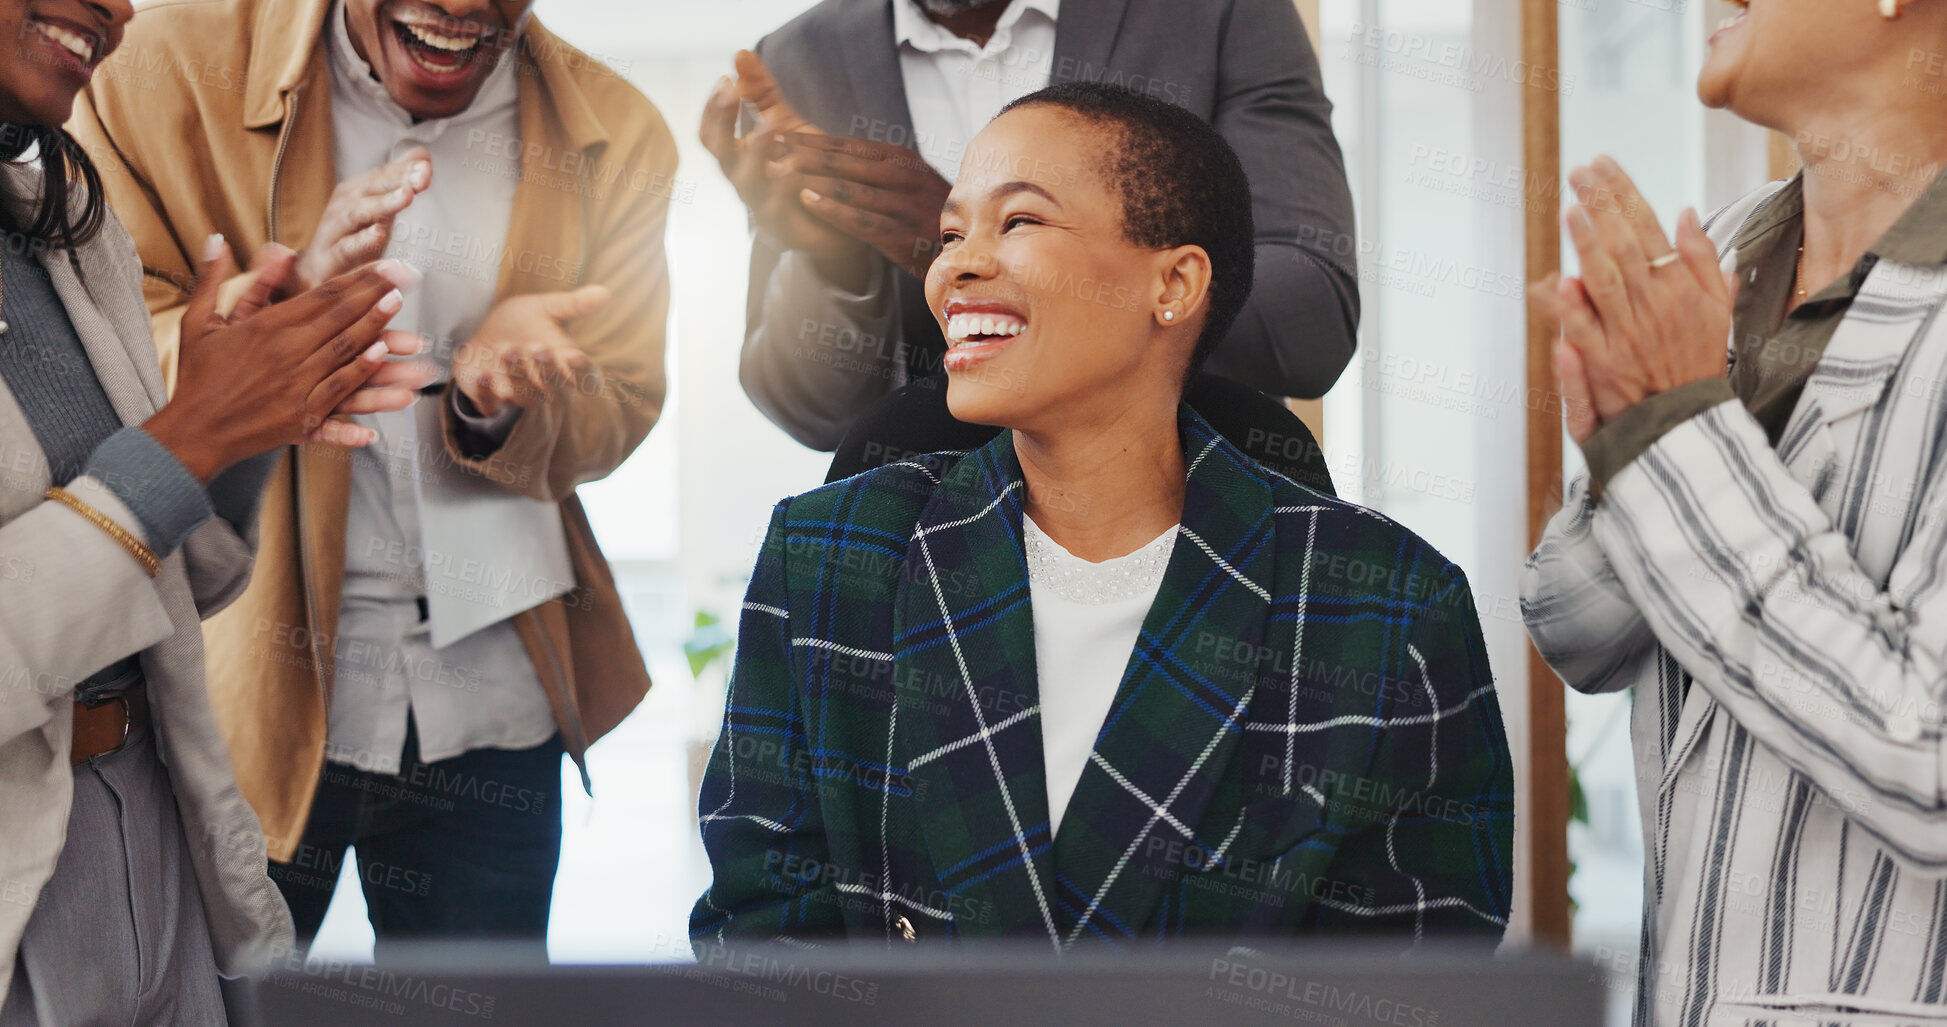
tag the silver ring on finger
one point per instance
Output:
(1666, 260)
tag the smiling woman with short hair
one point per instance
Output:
(1101, 678)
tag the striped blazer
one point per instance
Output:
(1782, 616)
(1306, 739)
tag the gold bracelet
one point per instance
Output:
(143, 555)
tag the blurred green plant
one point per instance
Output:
(1578, 799)
(709, 642)
(1578, 813)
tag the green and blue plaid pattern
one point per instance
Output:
(1306, 739)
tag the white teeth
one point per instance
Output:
(76, 43)
(961, 327)
(438, 41)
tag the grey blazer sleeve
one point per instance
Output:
(1299, 329)
(815, 358)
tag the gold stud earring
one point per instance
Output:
(1889, 9)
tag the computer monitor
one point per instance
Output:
(1340, 984)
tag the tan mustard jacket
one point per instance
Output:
(215, 116)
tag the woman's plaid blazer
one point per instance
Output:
(1306, 740)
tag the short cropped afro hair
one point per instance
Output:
(1181, 185)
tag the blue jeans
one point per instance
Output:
(459, 849)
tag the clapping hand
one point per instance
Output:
(273, 274)
(1645, 316)
(883, 195)
(272, 374)
(775, 203)
(522, 354)
(357, 222)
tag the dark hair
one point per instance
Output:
(55, 219)
(1181, 185)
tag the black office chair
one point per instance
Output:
(914, 420)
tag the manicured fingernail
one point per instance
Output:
(376, 352)
(422, 173)
(399, 273)
(811, 197)
(213, 247)
(391, 302)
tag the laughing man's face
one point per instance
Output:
(433, 55)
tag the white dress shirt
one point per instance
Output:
(417, 528)
(1087, 618)
(954, 87)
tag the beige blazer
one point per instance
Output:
(72, 601)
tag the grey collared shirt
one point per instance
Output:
(480, 691)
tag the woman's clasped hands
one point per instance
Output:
(274, 372)
(1645, 316)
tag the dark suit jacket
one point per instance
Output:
(1306, 739)
(1245, 66)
